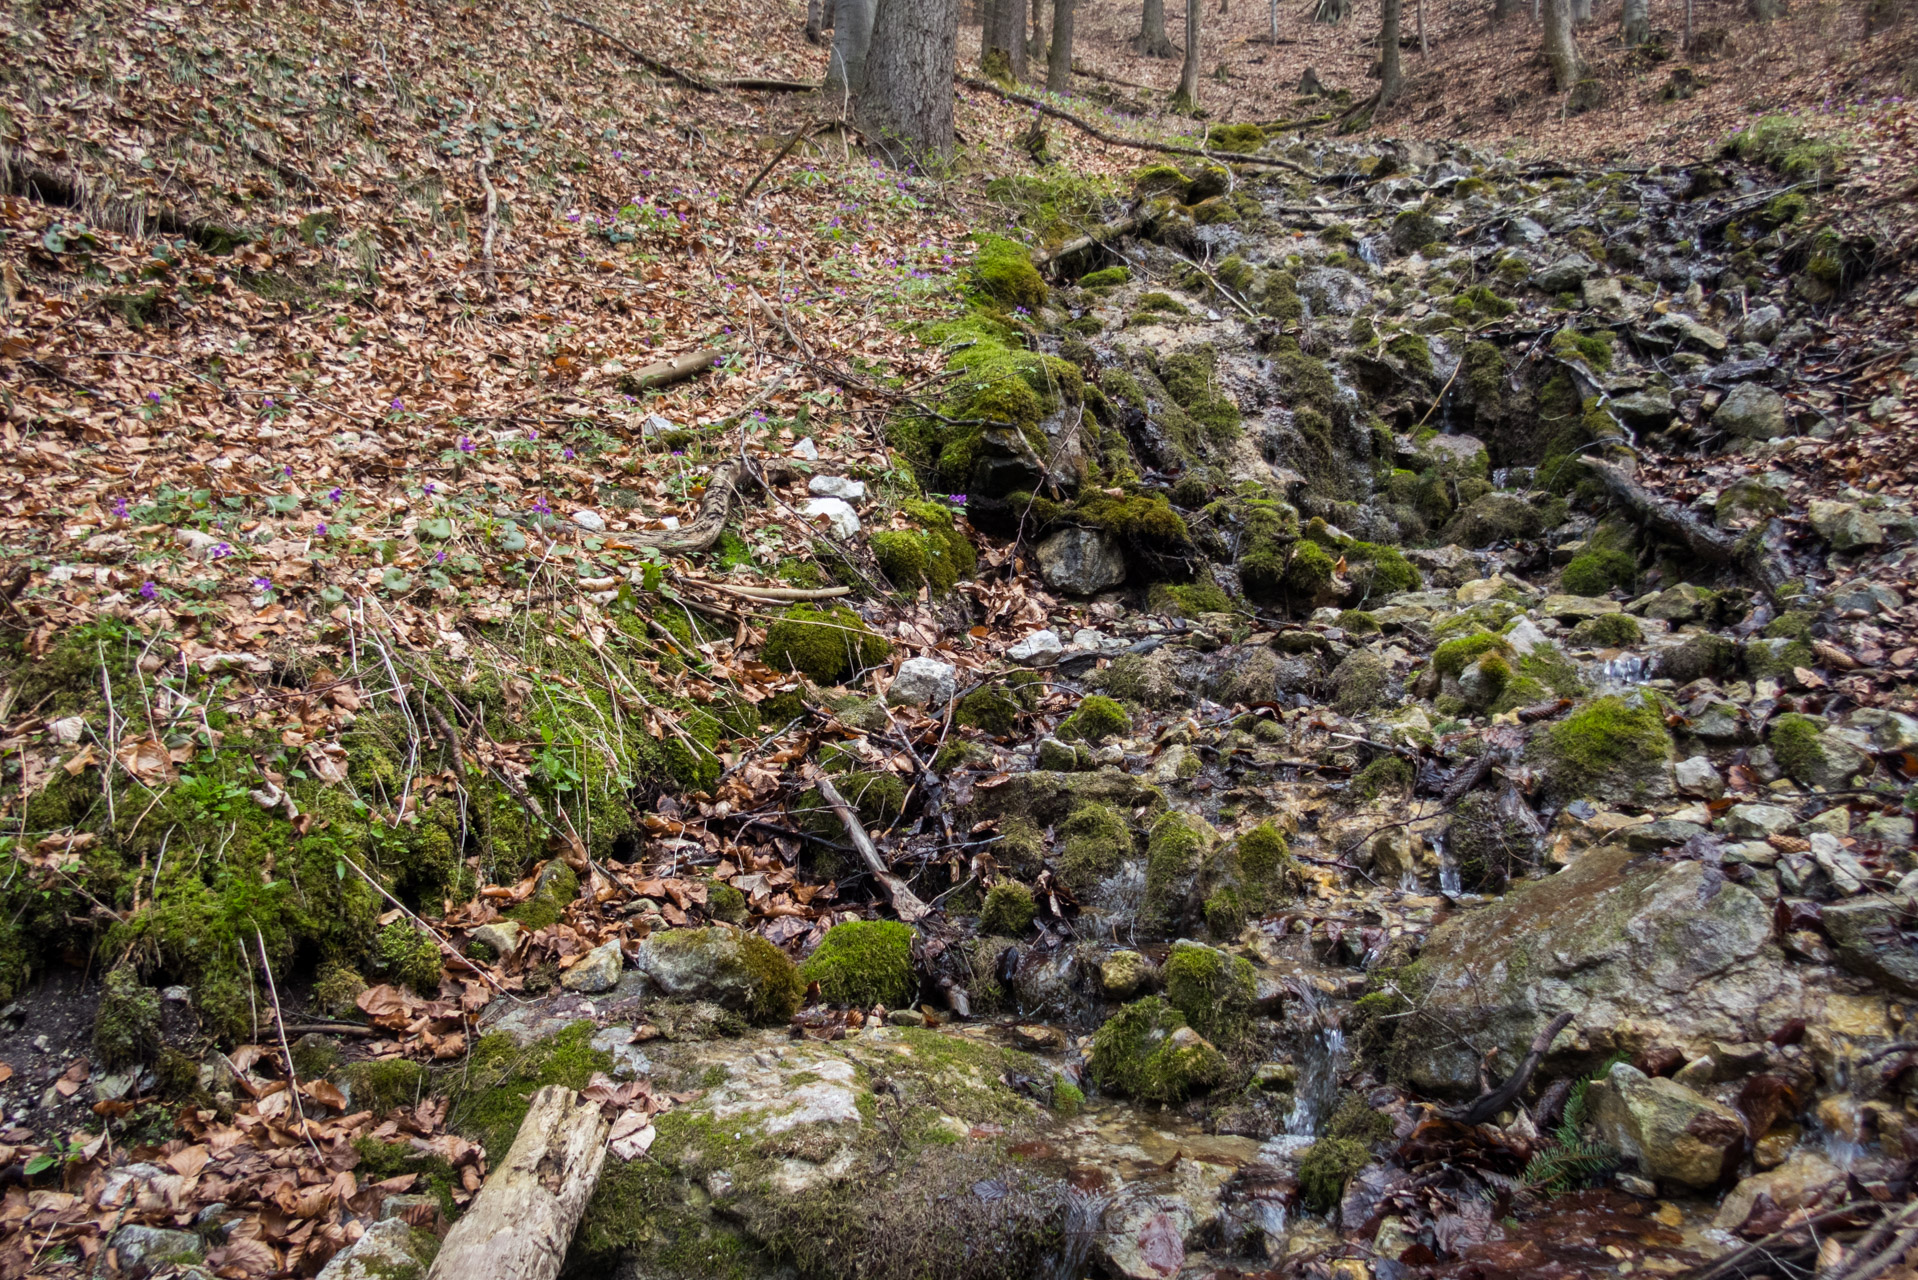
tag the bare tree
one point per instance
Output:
(1059, 58)
(1635, 23)
(1561, 52)
(1187, 98)
(1004, 35)
(1390, 81)
(851, 40)
(1151, 40)
(818, 20)
(1036, 46)
(1331, 11)
(908, 97)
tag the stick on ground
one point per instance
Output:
(904, 900)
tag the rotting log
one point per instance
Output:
(522, 1221)
(1098, 236)
(1671, 521)
(664, 372)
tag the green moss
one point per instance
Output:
(1235, 137)
(1097, 719)
(1356, 1120)
(723, 902)
(1236, 273)
(126, 1025)
(1002, 271)
(1794, 744)
(490, 1095)
(1144, 517)
(1174, 856)
(1385, 776)
(994, 709)
(1414, 351)
(826, 644)
(1105, 277)
(1140, 1053)
(902, 557)
(1593, 573)
(1793, 624)
(336, 989)
(1781, 142)
(1097, 839)
(1008, 910)
(1068, 1099)
(1190, 377)
(406, 955)
(1212, 989)
(1188, 600)
(382, 1085)
(1608, 631)
(1480, 303)
(862, 963)
(1271, 872)
(1454, 656)
(1594, 349)
(558, 885)
(1610, 744)
(1488, 847)
(1359, 682)
(1324, 1169)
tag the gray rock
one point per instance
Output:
(591, 521)
(1649, 408)
(1868, 937)
(629, 1060)
(1756, 821)
(1333, 292)
(597, 971)
(390, 1250)
(1040, 649)
(141, 1248)
(1577, 608)
(702, 964)
(1845, 525)
(1752, 411)
(806, 449)
(837, 513)
(1082, 561)
(1697, 777)
(1673, 1133)
(837, 487)
(925, 682)
(1522, 231)
(1603, 293)
(501, 935)
(1681, 603)
(1685, 330)
(1567, 275)
(1887, 831)
(1760, 325)
(68, 730)
(1057, 756)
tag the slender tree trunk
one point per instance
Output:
(851, 40)
(1561, 52)
(1152, 41)
(1425, 50)
(1059, 60)
(1635, 24)
(1003, 34)
(908, 97)
(1389, 81)
(1275, 24)
(1036, 47)
(1688, 25)
(818, 20)
(1187, 98)
(1581, 12)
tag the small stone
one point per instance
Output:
(1082, 561)
(1760, 325)
(1845, 525)
(1525, 637)
(68, 731)
(1848, 875)
(1603, 293)
(1037, 1037)
(1697, 1074)
(1479, 590)
(1752, 411)
(1697, 777)
(142, 1248)
(925, 682)
(598, 970)
(501, 935)
(591, 521)
(837, 487)
(1577, 608)
(806, 449)
(655, 426)
(1040, 649)
(838, 514)
(1124, 974)
(1276, 1077)
(1567, 275)
(1681, 603)
(1055, 756)
(1792, 1185)
(1886, 831)
(906, 1018)
(1756, 821)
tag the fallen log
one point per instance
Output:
(904, 900)
(664, 372)
(522, 1221)
(1101, 235)
(1671, 521)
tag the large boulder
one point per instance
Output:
(1644, 953)
(1673, 1133)
(1871, 936)
(1082, 561)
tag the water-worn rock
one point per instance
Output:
(1752, 411)
(1672, 1133)
(1698, 777)
(390, 1250)
(925, 682)
(598, 970)
(1756, 821)
(1082, 561)
(1643, 952)
(1795, 1183)
(730, 968)
(1869, 937)
(501, 935)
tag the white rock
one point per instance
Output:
(654, 426)
(837, 487)
(838, 513)
(1525, 637)
(597, 971)
(924, 682)
(806, 449)
(1040, 649)
(591, 521)
(501, 935)
(66, 732)
(1697, 777)
(1848, 875)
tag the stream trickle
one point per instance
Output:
(1320, 1060)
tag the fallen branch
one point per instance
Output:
(1099, 235)
(1493, 1101)
(904, 900)
(647, 60)
(1136, 144)
(131, 214)
(1666, 518)
(799, 135)
(780, 594)
(666, 372)
(520, 1224)
(492, 220)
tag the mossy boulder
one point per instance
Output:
(1096, 841)
(1213, 990)
(1359, 682)
(1612, 749)
(1096, 719)
(1178, 855)
(1595, 572)
(1807, 749)
(1146, 1051)
(826, 644)
(933, 554)
(1235, 137)
(1002, 272)
(1105, 277)
(1324, 1169)
(126, 1025)
(727, 966)
(1008, 910)
(862, 963)
(1496, 517)
(1491, 841)
(1610, 631)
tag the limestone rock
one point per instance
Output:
(1567, 275)
(925, 682)
(1752, 411)
(142, 1248)
(1577, 608)
(1756, 821)
(1040, 649)
(1082, 561)
(837, 513)
(715, 964)
(1845, 525)
(590, 521)
(390, 1250)
(1697, 777)
(1868, 938)
(837, 487)
(1673, 1133)
(501, 935)
(1795, 1183)
(597, 971)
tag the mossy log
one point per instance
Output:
(1668, 519)
(523, 1218)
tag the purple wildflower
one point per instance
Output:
(221, 551)
(148, 591)
(398, 404)
(154, 396)
(336, 495)
(567, 454)
(531, 434)
(120, 508)
(467, 445)
(264, 584)
(319, 530)
(440, 558)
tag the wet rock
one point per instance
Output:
(1040, 649)
(1868, 937)
(1672, 1133)
(501, 935)
(1082, 561)
(598, 970)
(1698, 777)
(1333, 292)
(389, 1248)
(1567, 275)
(1752, 411)
(1647, 953)
(925, 682)
(1845, 525)
(1756, 821)
(1799, 1181)
(1125, 974)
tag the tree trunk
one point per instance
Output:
(908, 98)
(1688, 25)
(851, 41)
(1389, 78)
(1561, 53)
(818, 20)
(1581, 12)
(521, 1222)
(1503, 9)
(1425, 50)
(1059, 60)
(1635, 25)
(1003, 36)
(1036, 47)
(1275, 24)
(1187, 98)
(1152, 41)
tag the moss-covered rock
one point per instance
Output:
(1176, 862)
(1105, 277)
(1594, 572)
(1700, 657)
(1489, 845)
(862, 963)
(934, 554)
(826, 644)
(1213, 990)
(1609, 631)
(1002, 271)
(405, 954)
(1235, 137)
(1146, 1051)
(1096, 719)
(1359, 682)
(1613, 749)
(1496, 517)
(731, 968)
(126, 1025)
(1324, 1169)
(1008, 910)
(1097, 840)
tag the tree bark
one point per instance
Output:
(1635, 24)
(1004, 34)
(908, 98)
(1275, 23)
(1152, 40)
(1036, 46)
(1187, 98)
(851, 44)
(1390, 81)
(1059, 59)
(1561, 52)
(818, 20)
(1425, 50)
(1581, 12)
(523, 1218)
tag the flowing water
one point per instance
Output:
(1320, 1060)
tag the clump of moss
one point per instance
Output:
(1188, 600)
(1175, 854)
(1594, 349)
(1159, 179)
(993, 709)
(1212, 989)
(1068, 1099)
(1326, 1167)
(1414, 351)
(1002, 271)
(1140, 517)
(336, 989)
(1703, 655)
(1450, 658)
(826, 644)
(1097, 840)
(1190, 377)
(1593, 573)
(126, 1026)
(862, 963)
(1608, 631)
(1480, 303)
(1794, 744)
(1387, 775)
(1146, 1051)
(1355, 1120)
(1271, 872)
(1235, 137)
(1097, 719)
(383, 1084)
(1782, 143)
(1360, 681)
(1105, 277)
(1008, 911)
(1488, 847)
(407, 955)
(1161, 302)
(1612, 746)
(723, 902)
(557, 886)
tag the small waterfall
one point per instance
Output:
(1448, 879)
(1321, 1060)
(1409, 883)
(1624, 672)
(1084, 1220)
(1367, 251)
